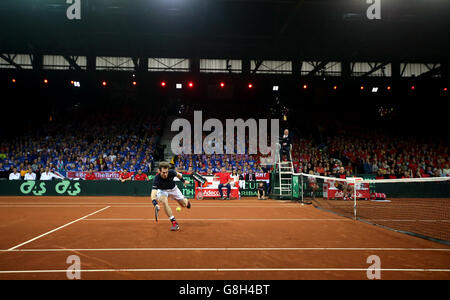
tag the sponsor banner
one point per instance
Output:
(295, 187)
(188, 190)
(331, 192)
(262, 176)
(258, 176)
(214, 193)
(251, 188)
(74, 188)
(337, 194)
(108, 188)
(39, 188)
(243, 189)
(99, 175)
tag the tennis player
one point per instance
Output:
(164, 188)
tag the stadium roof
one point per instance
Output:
(408, 31)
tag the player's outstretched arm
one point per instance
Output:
(180, 176)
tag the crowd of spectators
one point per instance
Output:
(209, 164)
(206, 164)
(109, 143)
(106, 142)
(383, 155)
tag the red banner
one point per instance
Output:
(262, 176)
(98, 175)
(331, 192)
(259, 176)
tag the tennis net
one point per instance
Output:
(417, 206)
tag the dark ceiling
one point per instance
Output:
(409, 30)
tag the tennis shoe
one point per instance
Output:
(175, 226)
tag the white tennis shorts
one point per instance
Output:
(174, 193)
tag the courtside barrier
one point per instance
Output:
(99, 188)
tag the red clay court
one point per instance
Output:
(247, 239)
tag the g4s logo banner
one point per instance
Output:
(40, 188)
(30, 186)
(64, 185)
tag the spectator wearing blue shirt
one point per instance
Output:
(9, 167)
(251, 161)
(69, 167)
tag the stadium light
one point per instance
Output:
(179, 86)
(362, 88)
(163, 83)
(445, 89)
(305, 86)
(388, 88)
(13, 80)
(104, 83)
(374, 89)
(335, 87)
(275, 88)
(222, 84)
(250, 85)
(190, 84)
(46, 81)
(134, 83)
(413, 87)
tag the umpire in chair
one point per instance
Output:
(286, 144)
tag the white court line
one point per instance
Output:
(149, 205)
(221, 202)
(47, 233)
(229, 270)
(229, 249)
(412, 220)
(149, 219)
(50, 206)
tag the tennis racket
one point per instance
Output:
(157, 209)
(199, 178)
